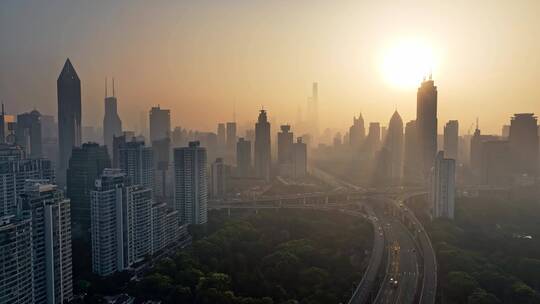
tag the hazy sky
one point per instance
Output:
(198, 58)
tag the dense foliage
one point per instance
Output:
(283, 256)
(486, 254)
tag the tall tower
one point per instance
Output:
(243, 157)
(160, 123)
(28, 133)
(262, 147)
(524, 143)
(112, 125)
(394, 144)
(68, 88)
(191, 183)
(451, 138)
(442, 190)
(138, 163)
(357, 132)
(426, 123)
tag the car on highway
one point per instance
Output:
(394, 282)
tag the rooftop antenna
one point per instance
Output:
(105, 86)
(234, 111)
(113, 87)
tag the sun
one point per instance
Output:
(407, 62)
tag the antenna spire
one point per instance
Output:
(234, 111)
(113, 87)
(105, 86)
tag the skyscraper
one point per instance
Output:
(357, 132)
(426, 124)
(160, 123)
(51, 242)
(121, 223)
(85, 166)
(496, 169)
(220, 173)
(262, 147)
(16, 259)
(299, 158)
(231, 140)
(442, 188)
(243, 157)
(524, 144)
(394, 145)
(2, 126)
(69, 117)
(451, 137)
(476, 154)
(285, 151)
(138, 163)
(191, 190)
(221, 138)
(373, 139)
(112, 125)
(28, 133)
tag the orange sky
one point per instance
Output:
(198, 58)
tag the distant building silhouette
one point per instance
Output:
(137, 161)
(496, 168)
(412, 165)
(451, 138)
(220, 173)
(313, 111)
(262, 147)
(221, 139)
(394, 145)
(523, 139)
(426, 124)
(69, 117)
(28, 133)
(160, 123)
(285, 151)
(357, 132)
(112, 125)
(299, 158)
(243, 158)
(231, 141)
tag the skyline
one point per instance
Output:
(183, 57)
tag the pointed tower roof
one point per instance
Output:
(68, 72)
(396, 118)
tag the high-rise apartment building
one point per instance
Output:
(219, 173)
(262, 147)
(451, 139)
(191, 190)
(16, 259)
(137, 161)
(69, 117)
(426, 124)
(51, 242)
(160, 123)
(442, 188)
(285, 142)
(112, 125)
(299, 158)
(121, 223)
(85, 166)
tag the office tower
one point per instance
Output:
(243, 157)
(451, 135)
(284, 151)
(2, 126)
(505, 132)
(357, 132)
(299, 158)
(262, 147)
(69, 117)
(28, 133)
(523, 139)
(313, 110)
(51, 241)
(85, 166)
(496, 169)
(426, 123)
(118, 143)
(384, 131)
(14, 172)
(138, 163)
(412, 170)
(394, 145)
(112, 125)
(191, 192)
(121, 223)
(442, 190)
(160, 123)
(16, 259)
(231, 140)
(11, 153)
(476, 154)
(219, 173)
